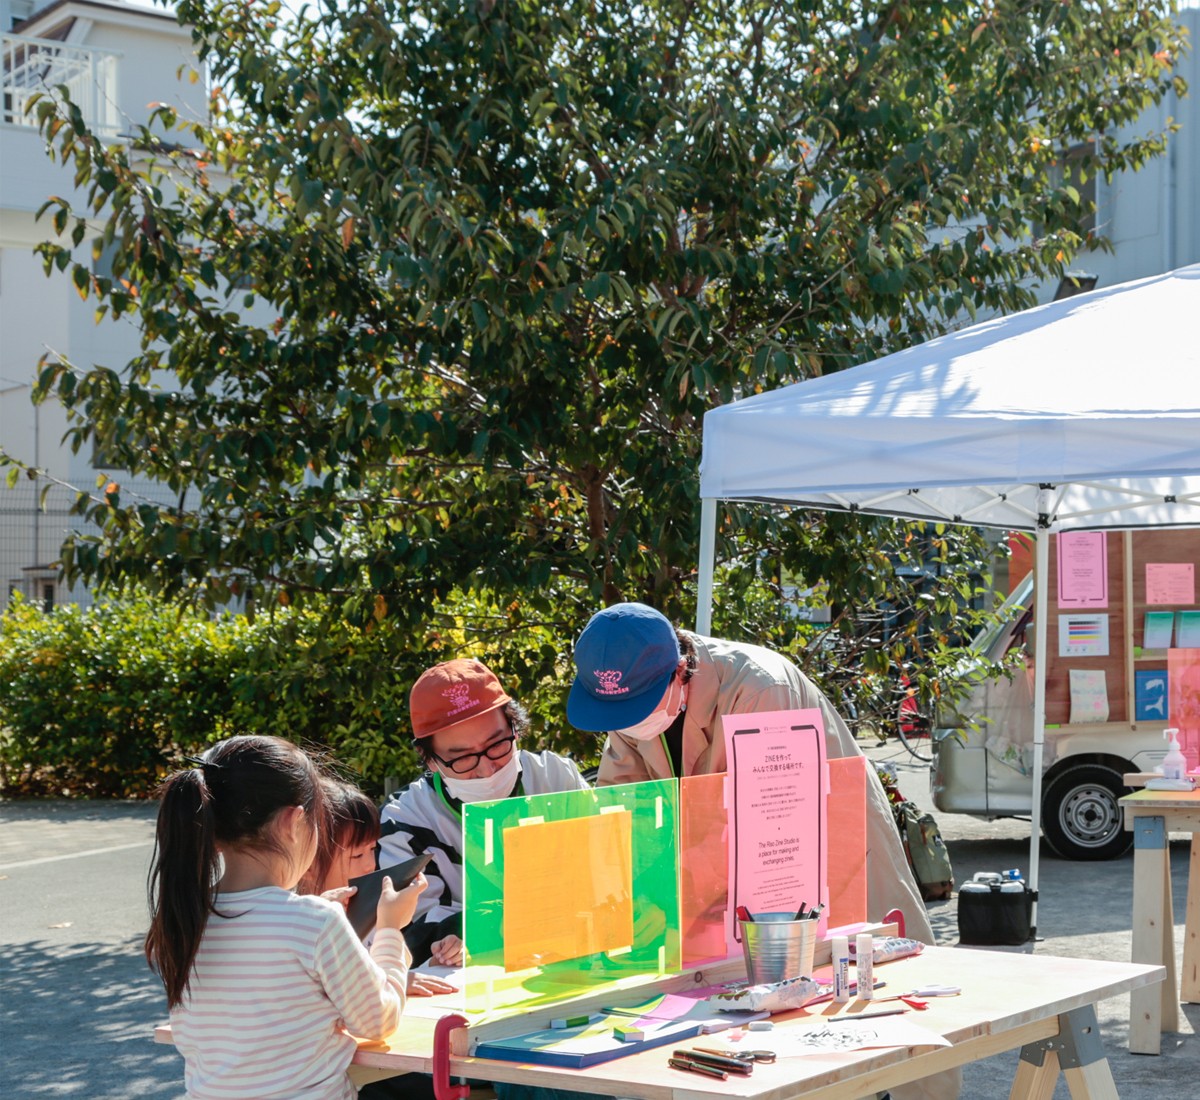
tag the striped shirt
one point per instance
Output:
(280, 985)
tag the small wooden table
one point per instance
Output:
(1152, 816)
(1042, 1005)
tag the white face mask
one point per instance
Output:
(657, 721)
(497, 785)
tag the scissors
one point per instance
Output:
(919, 998)
(765, 1056)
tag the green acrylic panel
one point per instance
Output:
(634, 930)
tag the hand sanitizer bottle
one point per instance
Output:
(1174, 765)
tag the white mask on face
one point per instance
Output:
(497, 785)
(657, 721)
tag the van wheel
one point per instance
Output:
(1081, 818)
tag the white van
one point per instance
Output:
(986, 771)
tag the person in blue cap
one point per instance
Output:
(659, 693)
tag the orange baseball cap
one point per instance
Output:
(452, 692)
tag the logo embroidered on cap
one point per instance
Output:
(460, 698)
(609, 682)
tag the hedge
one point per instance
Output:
(105, 701)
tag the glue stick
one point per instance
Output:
(864, 954)
(841, 969)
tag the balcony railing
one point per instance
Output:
(33, 65)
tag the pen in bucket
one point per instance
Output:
(744, 914)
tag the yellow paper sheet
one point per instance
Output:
(568, 889)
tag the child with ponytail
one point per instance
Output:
(266, 988)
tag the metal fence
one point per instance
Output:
(30, 538)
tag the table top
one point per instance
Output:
(1145, 799)
(1004, 995)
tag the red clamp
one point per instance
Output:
(894, 916)
(443, 1088)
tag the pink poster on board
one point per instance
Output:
(1082, 569)
(777, 813)
(1170, 582)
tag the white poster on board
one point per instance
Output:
(1083, 635)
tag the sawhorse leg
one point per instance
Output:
(1077, 1052)
(1189, 987)
(1151, 1010)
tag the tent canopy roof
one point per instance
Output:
(1097, 395)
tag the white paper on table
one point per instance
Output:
(1089, 695)
(796, 1041)
(440, 1004)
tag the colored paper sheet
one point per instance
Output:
(693, 1007)
(1183, 694)
(1187, 636)
(1159, 630)
(1089, 695)
(776, 763)
(1150, 695)
(590, 1045)
(847, 816)
(1083, 635)
(1082, 569)
(495, 984)
(1170, 583)
(703, 877)
(568, 889)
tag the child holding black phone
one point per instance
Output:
(346, 842)
(264, 986)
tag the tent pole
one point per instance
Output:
(1041, 587)
(704, 575)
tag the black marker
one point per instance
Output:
(696, 1067)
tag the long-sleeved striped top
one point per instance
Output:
(280, 984)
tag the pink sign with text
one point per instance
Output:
(777, 814)
(1170, 582)
(1082, 569)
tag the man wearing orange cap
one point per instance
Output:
(467, 730)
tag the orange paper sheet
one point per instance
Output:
(704, 868)
(568, 889)
(847, 810)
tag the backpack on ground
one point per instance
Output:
(926, 851)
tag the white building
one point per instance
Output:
(119, 57)
(1152, 216)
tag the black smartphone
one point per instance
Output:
(361, 910)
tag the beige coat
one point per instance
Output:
(735, 678)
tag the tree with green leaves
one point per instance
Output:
(445, 289)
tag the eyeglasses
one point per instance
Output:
(497, 750)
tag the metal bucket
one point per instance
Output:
(778, 947)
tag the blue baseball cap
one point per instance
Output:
(624, 661)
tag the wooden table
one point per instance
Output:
(1042, 1005)
(1152, 816)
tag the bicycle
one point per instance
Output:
(914, 729)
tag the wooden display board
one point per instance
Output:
(1128, 554)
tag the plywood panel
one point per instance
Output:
(1058, 687)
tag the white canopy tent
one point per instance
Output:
(1080, 414)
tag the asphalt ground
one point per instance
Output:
(78, 1004)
